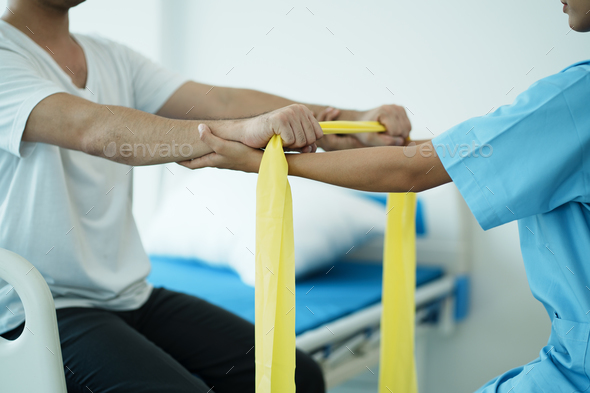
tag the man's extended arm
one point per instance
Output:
(199, 101)
(195, 100)
(138, 138)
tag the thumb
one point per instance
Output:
(208, 138)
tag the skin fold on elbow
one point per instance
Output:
(105, 143)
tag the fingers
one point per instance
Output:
(297, 126)
(310, 133)
(407, 125)
(341, 142)
(404, 122)
(322, 116)
(389, 117)
(395, 119)
(298, 132)
(328, 114)
(383, 139)
(370, 139)
(207, 137)
(317, 130)
(205, 161)
(307, 149)
(307, 122)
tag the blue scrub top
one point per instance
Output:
(530, 161)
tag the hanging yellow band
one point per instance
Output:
(397, 368)
(275, 278)
(275, 275)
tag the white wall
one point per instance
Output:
(135, 23)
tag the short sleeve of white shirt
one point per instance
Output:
(152, 84)
(21, 89)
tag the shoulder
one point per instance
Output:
(580, 66)
(570, 86)
(574, 76)
(103, 45)
(16, 60)
(9, 49)
(108, 50)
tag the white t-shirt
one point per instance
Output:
(67, 212)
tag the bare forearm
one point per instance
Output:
(118, 133)
(250, 102)
(244, 102)
(199, 101)
(380, 169)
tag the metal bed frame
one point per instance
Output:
(349, 346)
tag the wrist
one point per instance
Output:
(246, 130)
(230, 130)
(254, 164)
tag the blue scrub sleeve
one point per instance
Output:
(526, 158)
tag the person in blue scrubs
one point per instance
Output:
(529, 161)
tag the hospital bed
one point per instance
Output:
(338, 311)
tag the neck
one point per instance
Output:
(42, 23)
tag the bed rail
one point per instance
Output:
(343, 328)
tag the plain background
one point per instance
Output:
(444, 61)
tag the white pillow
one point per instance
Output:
(209, 214)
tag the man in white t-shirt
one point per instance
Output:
(77, 113)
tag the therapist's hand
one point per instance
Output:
(336, 141)
(295, 123)
(395, 120)
(226, 154)
(393, 117)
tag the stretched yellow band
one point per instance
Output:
(351, 127)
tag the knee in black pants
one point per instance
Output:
(309, 377)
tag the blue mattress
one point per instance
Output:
(346, 288)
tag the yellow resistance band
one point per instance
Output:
(351, 127)
(397, 369)
(275, 275)
(275, 278)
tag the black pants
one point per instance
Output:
(159, 347)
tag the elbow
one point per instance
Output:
(89, 143)
(428, 175)
(417, 182)
(91, 138)
(92, 142)
(409, 177)
(98, 143)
